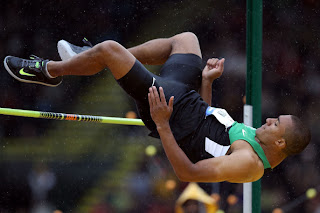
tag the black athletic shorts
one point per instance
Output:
(178, 76)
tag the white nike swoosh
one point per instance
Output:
(244, 132)
(153, 80)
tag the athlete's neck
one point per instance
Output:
(274, 157)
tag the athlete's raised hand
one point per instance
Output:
(213, 69)
(159, 109)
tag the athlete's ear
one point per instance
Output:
(281, 143)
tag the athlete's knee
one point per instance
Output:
(186, 42)
(108, 47)
(186, 37)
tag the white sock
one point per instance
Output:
(46, 73)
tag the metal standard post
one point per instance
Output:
(253, 85)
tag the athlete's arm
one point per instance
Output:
(212, 71)
(238, 167)
(160, 113)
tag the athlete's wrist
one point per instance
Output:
(207, 80)
(165, 126)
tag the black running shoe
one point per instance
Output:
(30, 71)
(67, 50)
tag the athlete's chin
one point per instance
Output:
(259, 130)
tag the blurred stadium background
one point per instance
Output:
(96, 168)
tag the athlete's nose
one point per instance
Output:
(268, 121)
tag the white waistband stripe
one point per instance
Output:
(214, 148)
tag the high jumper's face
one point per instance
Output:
(274, 129)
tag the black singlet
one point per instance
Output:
(180, 77)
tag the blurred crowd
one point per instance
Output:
(291, 82)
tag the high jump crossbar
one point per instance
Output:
(70, 117)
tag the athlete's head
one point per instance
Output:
(286, 132)
(297, 137)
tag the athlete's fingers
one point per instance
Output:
(162, 96)
(171, 102)
(212, 62)
(152, 100)
(221, 63)
(156, 95)
(215, 61)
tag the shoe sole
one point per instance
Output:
(23, 80)
(64, 50)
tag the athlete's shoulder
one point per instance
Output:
(248, 160)
(241, 125)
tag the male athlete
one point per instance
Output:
(202, 143)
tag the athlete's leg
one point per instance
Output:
(186, 43)
(153, 52)
(106, 54)
(157, 51)
(185, 63)
(119, 60)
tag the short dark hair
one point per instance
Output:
(297, 137)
